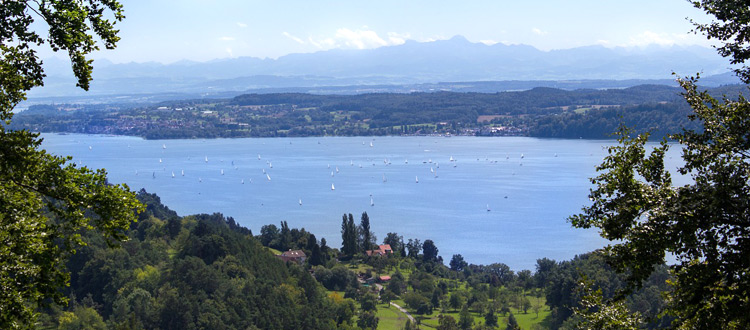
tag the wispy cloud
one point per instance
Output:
(359, 39)
(650, 38)
(538, 31)
(242, 25)
(489, 42)
(346, 38)
(226, 38)
(288, 35)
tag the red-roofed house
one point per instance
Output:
(381, 251)
(293, 255)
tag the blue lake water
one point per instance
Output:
(499, 200)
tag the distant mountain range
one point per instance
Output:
(404, 67)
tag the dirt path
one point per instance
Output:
(403, 310)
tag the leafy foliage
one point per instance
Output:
(47, 203)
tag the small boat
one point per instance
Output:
(372, 203)
(200, 180)
(384, 178)
(164, 146)
(89, 147)
(432, 170)
(451, 159)
(182, 172)
(370, 143)
(521, 156)
(153, 175)
(243, 181)
(136, 172)
(332, 187)
(222, 171)
(258, 156)
(406, 161)
(206, 159)
(270, 165)
(488, 207)
(351, 163)
(159, 160)
(264, 170)
(417, 179)
(337, 169)
(300, 202)
(172, 174)
(268, 177)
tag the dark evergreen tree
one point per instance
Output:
(429, 251)
(365, 234)
(490, 319)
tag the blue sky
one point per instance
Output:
(199, 30)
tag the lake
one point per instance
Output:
(492, 200)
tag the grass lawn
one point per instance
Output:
(390, 318)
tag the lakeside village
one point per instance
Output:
(219, 120)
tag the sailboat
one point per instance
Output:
(182, 172)
(200, 180)
(172, 174)
(331, 173)
(372, 203)
(451, 159)
(337, 169)
(332, 187)
(264, 170)
(417, 179)
(370, 143)
(222, 171)
(351, 163)
(406, 161)
(300, 202)
(243, 181)
(136, 172)
(384, 179)
(164, 146)
(488, 207)
(258, 156)
(270, 165)
(206, 159)
(153, 175)
(159, 160)
(268, 177)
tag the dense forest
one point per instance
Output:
(539, 112)
(207, 272)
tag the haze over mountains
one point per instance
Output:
(412, 64)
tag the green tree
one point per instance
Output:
(490, 319)
(457, 263)
(512, 323)
(446, 322)
(366, 235)
(429, 251)
(731, 27)
(82, 318)
(704, 224)
(36, 243)
(599, 315)
(465, 320)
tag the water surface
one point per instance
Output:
(499, 200)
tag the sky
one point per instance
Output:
(168, 31)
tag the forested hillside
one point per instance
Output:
(207, 272)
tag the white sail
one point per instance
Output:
(268, 177)
(332, 187)
(417, 179)
(182, 172)
(372, 203)
(172, 174)
(222, 171)
(300, 201)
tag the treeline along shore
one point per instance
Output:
(539, 112)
